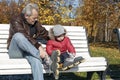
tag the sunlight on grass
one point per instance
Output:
(94, 77)
(111, 53)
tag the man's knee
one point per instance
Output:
(18, 36)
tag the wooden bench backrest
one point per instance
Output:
(77, 34)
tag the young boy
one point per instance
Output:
(61, 50)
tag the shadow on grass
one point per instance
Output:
(64, 76)
(114, 71)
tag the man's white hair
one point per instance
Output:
(29, 7)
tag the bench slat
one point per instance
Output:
(28, 71)
(77, 50)
(71, 37)
(27, 66)
(76, 45)
(6, 32)
(72, 40)
(84, 54)
(6, 27)
(22, 63)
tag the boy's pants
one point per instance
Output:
(63, 56)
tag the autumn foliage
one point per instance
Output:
(99, 17)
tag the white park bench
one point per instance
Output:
(78, 37)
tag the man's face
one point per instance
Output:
(34, 17)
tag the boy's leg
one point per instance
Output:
(55, 63)
(63, 56)
(78, 60)
(70, 62)
(66, 63)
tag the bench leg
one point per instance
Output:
(102, 75)
(89, 75)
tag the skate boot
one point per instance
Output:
(55, 63)
(71, 62)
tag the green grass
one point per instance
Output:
(112, 54)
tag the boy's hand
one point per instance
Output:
(72, 54)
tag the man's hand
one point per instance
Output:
(42, 52)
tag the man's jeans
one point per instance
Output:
(20, 47)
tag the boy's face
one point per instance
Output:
(61, 37)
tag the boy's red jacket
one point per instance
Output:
(63, 46)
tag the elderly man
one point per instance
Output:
(24, 33)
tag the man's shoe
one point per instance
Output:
(55, 63)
